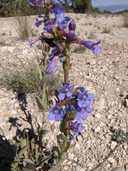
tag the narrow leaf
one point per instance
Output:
(1, 132)
(40, 103)
(28, 161)
(55, 169)
(23, 151)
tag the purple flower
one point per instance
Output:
(72, 25)
(71, 136)
(84, 99)
(71, 36)
(58, 15)
(76, 127)
(82, 113)
(91, 45)
(39, 1)
(65, 91)
(56, 113)
(70, 108)
(32, 42)
(31, 2)
(51, 65)
(37, 22)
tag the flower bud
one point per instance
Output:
(72, 25)
(47, 35)
(62, 58)
(46, 17)
(51, 65)
(60, 49)
(63, 44)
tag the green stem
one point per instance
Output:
(44, 84)
(66, 67)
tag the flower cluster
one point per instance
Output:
(55, 36)
(73, 102)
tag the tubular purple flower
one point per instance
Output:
(37, 22)
(71, 36)
(32, 42)
(51, 65)
(72, 25)
(84, 99)
(91, 45)
(76, 127)
(54, 51)
(65, 91)
(56, 113)
(82, 113)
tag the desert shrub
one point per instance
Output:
(26, 77)
(92, 35)
(22, 26)
(79, 49)
(106, 29)
(2, 39)
(125, 20)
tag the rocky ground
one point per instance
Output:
(105, 76)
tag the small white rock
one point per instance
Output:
(70, 156)
(97, 129)
(113, 145)
(98, 116)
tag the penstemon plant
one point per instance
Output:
(72, 103)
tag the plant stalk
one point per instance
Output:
(44, 84)
(66, 67)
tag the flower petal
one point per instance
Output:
(58, 117)
(51, 65)
(61, 96)
(77, 116)
(88, 109)
(51, 116)
(68, 93)
(90, 96)
(84, 116)
(80, 103)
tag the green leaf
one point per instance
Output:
(46, 98)
(62, 125)
(23, 143)
(43, 133)
(67, 146)
(56, 151)
(62, 158)
(44, 55)
(1, 132)
(38, 127)
(30, 166)
(10, 142)
(33, 144)
(28, 161)
(23, 151)
(55, 169)
(40, 103)
(71, 116)
(25, 169)
(40, 72)
(45, 159)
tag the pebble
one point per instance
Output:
(97, 129)
(98, 116)
(113, 145)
